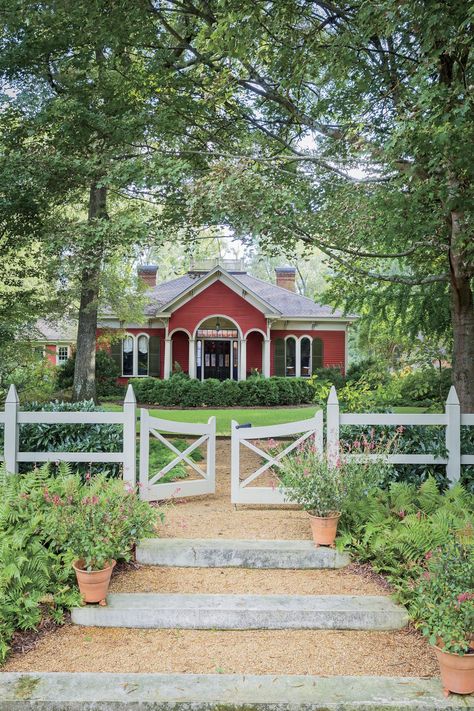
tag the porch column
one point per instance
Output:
(192, 358)
(298, 357)
(167, 365)
(266, 357)
(243, 359)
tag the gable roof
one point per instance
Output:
(275, 300)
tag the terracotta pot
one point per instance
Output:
(324, 528)
(93, 584)
(457, 672)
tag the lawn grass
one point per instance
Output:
(258, 416)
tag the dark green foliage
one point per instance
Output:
(31, 568)
(330, 375)
(70, 438)
(395, 528)
(444, 597)
(425, 385)
(180, 391)
(415, 440)
(36, 575)
(106, 373)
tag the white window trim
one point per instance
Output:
(68, 349)
(298, 340)
(135, 337)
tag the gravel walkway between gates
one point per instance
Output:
(214, 516)
(327, 653)
(241, 581)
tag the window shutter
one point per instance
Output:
(317, 354)
(279, 357)
(154, 357)
(116, 354)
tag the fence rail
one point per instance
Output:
(12, 418)
(451, 419)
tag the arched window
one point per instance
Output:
(290, 356)
(305, 357)
(127, 355)
(142, 355)
(137, 354)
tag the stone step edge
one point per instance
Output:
(243, 612)
(238, 553)
(59, 691)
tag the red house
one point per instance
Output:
(217, 321)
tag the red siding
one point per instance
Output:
(180, 350)
(334, 346)
(217, 299)
(50, 351)
(254, 351)
(160, 332)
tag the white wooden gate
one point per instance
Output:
(203, 473)
(251, 437)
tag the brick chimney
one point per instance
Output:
(147, 273)
(286, 277)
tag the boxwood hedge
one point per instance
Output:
(180, 391)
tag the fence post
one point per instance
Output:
(211, 453)
(318, 432)
(234, 463)
(129, 437)
(453, 436)
(332, 427)
(11, 444)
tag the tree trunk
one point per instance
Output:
(84, 386)
(462, 317)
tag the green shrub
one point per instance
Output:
(36, 575)
(98, 520)
(181, 391)
(307, 479)
(395, 528)
(70, 438)
(444, 597)
(106, 373)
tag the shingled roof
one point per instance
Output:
(283, 302)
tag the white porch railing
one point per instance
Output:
(12, 418)
(451, 419)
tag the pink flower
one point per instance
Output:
(400, 429)
(465, 596)
(88, 476)
(428, 555)
(427, 575)
(357, 444)
(401, 513)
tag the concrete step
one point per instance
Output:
(221, 692)
(222, 553)
(243, 612)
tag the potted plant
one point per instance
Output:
(99, 522)
(444, 602)
(324, 490)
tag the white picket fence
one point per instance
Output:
(12, 418)
(243, 489)
(451, 419)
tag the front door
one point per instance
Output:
(217, 359)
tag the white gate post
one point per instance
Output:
(453, 436)
(211, 452)
(129, 437)
(234, 462)
(11, 432)
(332, 427)
(318, 432)
(144, 452)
